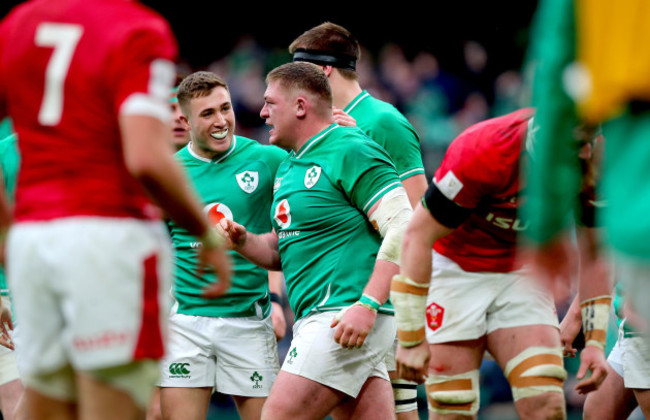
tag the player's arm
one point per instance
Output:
(595, 290)
(435, 217)
(390, 215)
(261, 250)
(151, 161)
(570, 327)
(277, 315)
(415, 187)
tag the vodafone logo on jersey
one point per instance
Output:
(216, 212)
(282, 214)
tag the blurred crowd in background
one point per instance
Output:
(439, 103)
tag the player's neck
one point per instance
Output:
(308, 131)
(344, 91)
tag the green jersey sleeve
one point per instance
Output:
(367, 173)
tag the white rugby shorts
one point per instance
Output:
(236, 356)
(315, 355)
(464, 305)
(88, 292)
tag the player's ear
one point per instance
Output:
(301, 106)
(328, 70)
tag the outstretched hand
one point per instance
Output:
(233, 232)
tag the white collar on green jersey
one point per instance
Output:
(364, 94)
(201, 158)
(315, 139)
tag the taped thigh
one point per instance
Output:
(535, 371)
(457, 394)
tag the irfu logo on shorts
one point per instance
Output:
(293, 353)
(256, 378)
(179, 370)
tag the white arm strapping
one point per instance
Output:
(390, 218)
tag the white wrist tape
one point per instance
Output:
(390, 218)
(410, 301)
(595, 317)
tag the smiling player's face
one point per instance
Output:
(212, 123)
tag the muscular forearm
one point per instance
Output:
(416, 257)
(262, 250)
(275, 282)
(379, 283)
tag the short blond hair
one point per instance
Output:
(198, 85)
(303, 76)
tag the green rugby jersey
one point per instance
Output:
(238, 185)
(322, 193)
(383, 123)
(10, 162)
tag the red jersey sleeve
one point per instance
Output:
(149, 52)
(462, 176)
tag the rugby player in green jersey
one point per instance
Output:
(225, 344)
(339, 211)
(337, 51)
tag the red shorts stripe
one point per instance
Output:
(150, 341)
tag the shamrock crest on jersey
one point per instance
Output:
(248, 180)
(282, 214)
(312, 175)
(216, 212)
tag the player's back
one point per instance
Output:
(67, 68)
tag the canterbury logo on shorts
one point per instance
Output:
(179, 369)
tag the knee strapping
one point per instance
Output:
(457, 394)
(535, 371)
(406, 395)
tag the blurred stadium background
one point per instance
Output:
(445, 66)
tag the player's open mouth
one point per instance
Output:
(219, 135)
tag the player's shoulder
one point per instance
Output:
(496, 133)
(379, 117)
(349, 137)
(113, 20)
(352, 142)
(374, 108)
(262, 151)
(130, 17)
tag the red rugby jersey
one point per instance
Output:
(480, 171)
(67, 69)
